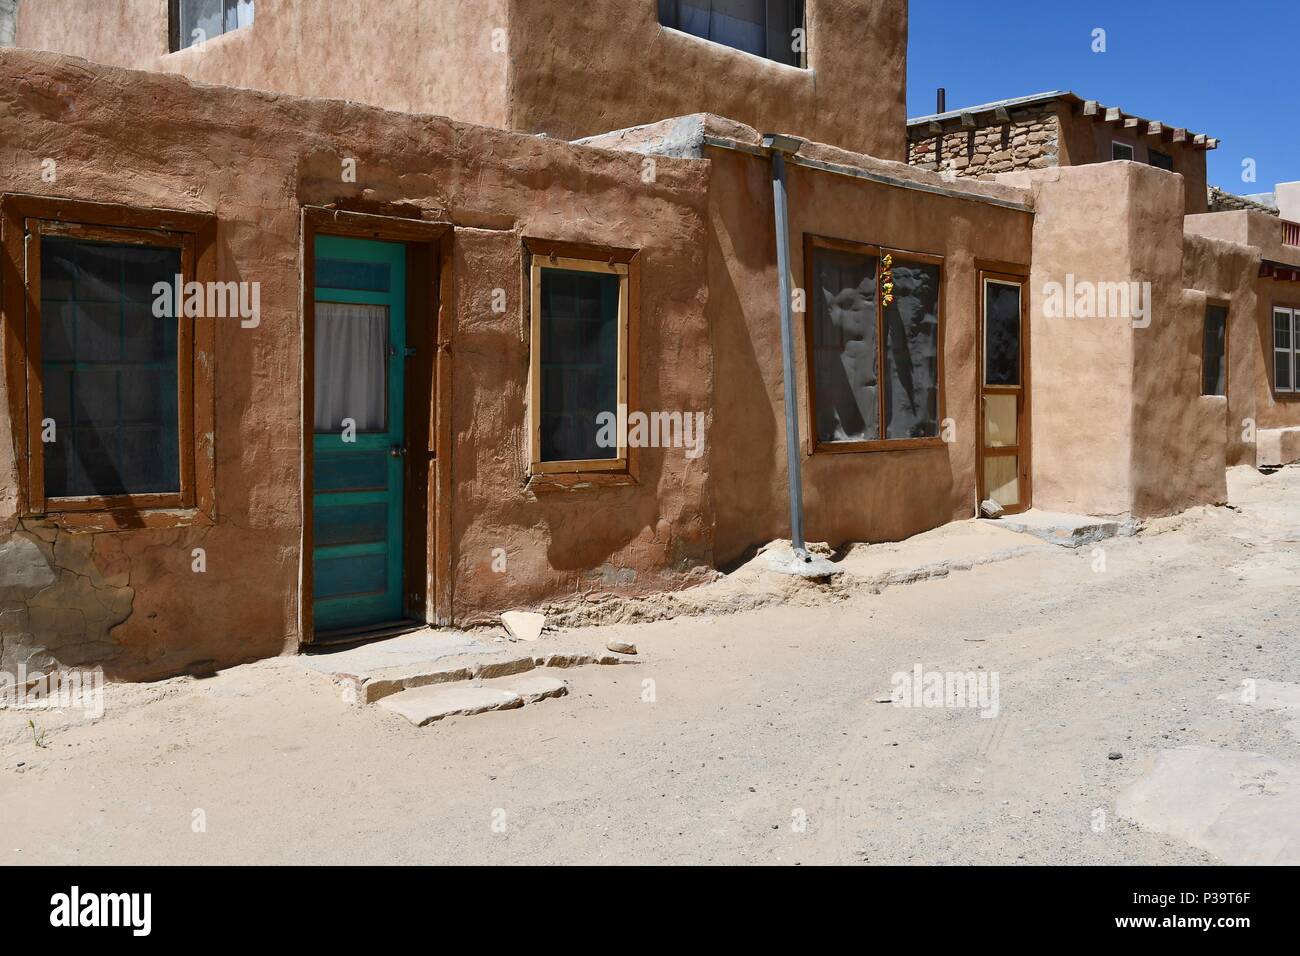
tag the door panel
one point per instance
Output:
(358, 461)
(1003, 472)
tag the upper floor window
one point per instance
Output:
(769, 28)
(1160, 160)
(1121, 151)
(194, 21)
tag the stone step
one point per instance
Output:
(374, 672)
(425, 705)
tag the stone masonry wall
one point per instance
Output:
(1032, 140)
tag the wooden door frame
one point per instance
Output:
(1015, 275)
(430, 295)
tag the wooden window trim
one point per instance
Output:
(1291, 394)
(818, 447)
(24, 216)
(1226, 305)
(582, 257)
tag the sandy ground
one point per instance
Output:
(757, 737)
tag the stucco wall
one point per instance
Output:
(1120, 426)
(567, 68)
(586, 66)
(428, 56)
(254, 160)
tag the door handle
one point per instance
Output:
(398, 451)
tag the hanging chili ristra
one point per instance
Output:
(887, 279)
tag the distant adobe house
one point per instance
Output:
(307, 332)
(1055, 129)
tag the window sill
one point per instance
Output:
(584, 481)
(123, 519)
(877, 447)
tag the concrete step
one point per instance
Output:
(425, 705)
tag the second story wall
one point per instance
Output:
(567, 68)
(583, 67)
(417, 56)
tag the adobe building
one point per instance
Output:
(283, 369)
(1055, 129)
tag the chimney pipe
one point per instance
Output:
(943, 101)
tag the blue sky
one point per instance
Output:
(1231, 70)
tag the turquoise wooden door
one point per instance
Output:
(359, 460)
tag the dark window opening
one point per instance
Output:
(579, 363)
(195, 21)
(1121, 151)
(1214, 368)
(1161, 160)
(768, 28)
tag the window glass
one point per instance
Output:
(108, 369)
(846, 346)
(1121, 151)
(762, 27)
(912, 353)
(1283, 364)
(579, 331)
(201, 20)
(1001, 333)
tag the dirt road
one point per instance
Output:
(1138, 705)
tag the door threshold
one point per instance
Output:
(333, 640)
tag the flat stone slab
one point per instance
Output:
(422, 647)
(1067, 530)
(524, 625)
(424, 705)
(535, 687)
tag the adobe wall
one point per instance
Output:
(417, 56)
(583, 67)
(1120, 426)
(873, 496)
(1225, 272)
(128, 599)
(567, 68)
(1263, 233)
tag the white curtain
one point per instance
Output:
(351, 366)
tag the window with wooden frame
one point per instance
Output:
(110, 366)
(1214, 352)
(1286, 345)
(582, 316)
(194, 21)
(874, 345)
(1121, 151)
